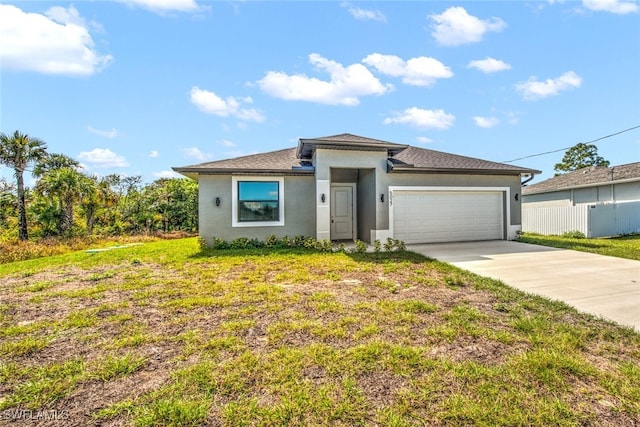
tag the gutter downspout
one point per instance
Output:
(524, 183)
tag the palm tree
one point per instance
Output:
(69, 187)
(17, 151)
(53, 161)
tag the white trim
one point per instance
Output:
(508, 227)
(234, 201)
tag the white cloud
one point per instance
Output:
(455, 26)
(424, 140)
(196, 153)
(167, 174)
(103, 158)
(345, 86)
(164, 6)
(613, 6)
(364, 14)
(422, 119)
(486, 122)
(227, 143)
(210, 103)
(419, 71)
(489, 65)
(533, 89)
(55, 43)
(113, 133)
(154, 154)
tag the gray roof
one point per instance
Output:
(402, 158)
(423, 160)
(273, 161)
(346, 141)
(587, 177)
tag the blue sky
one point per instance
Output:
(137, 86)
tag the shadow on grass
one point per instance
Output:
(375, 257)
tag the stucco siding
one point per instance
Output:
(330, 162)
(216, 221)
(366, 203)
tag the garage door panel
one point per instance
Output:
(447, 216)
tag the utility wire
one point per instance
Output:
(564, 149)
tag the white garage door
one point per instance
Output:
(447, 216)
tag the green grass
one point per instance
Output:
(290, 337)
(621, 247)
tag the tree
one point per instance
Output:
(53, 161)
(98, 197)
(7, 202)
(68, 187)
(580, 156)
(18, 151)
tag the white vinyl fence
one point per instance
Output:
(592, 220)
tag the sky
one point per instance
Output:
(136, 87)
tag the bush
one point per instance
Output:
(360, 248)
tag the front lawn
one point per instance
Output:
(163, 334)
(621, 247)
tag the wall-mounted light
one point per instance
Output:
(382, 198)
(217, 201)
(516, 196)
(322, 198)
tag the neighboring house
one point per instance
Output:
(347, 187)
(595, 184)
(597, 201)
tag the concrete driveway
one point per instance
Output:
(596, 284)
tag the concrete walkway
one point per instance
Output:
(596, 284)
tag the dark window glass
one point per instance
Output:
(258, 201)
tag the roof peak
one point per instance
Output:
(307, 146)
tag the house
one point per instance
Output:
(595, 184)
(347, 187)
(597, 201)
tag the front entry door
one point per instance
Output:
(341, 212)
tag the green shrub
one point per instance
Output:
(202, 243)
(573, 234)
(272, 241)
(388, 247)
(377, 246)
(218, 243)
(361, 247)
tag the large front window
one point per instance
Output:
(258, 201)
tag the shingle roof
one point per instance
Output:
(586, 177)
(275, 161)
(403, 158)
(421, 158)
(347, 141)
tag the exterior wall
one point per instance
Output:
(627, 192)
(366, 203)
(585, 195)
(299, 209)
(328, 162)
(557, 198)
(609, 193)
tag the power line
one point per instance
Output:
(564, 149)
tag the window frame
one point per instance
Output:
(235, 203)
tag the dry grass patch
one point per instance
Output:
(163, 334)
